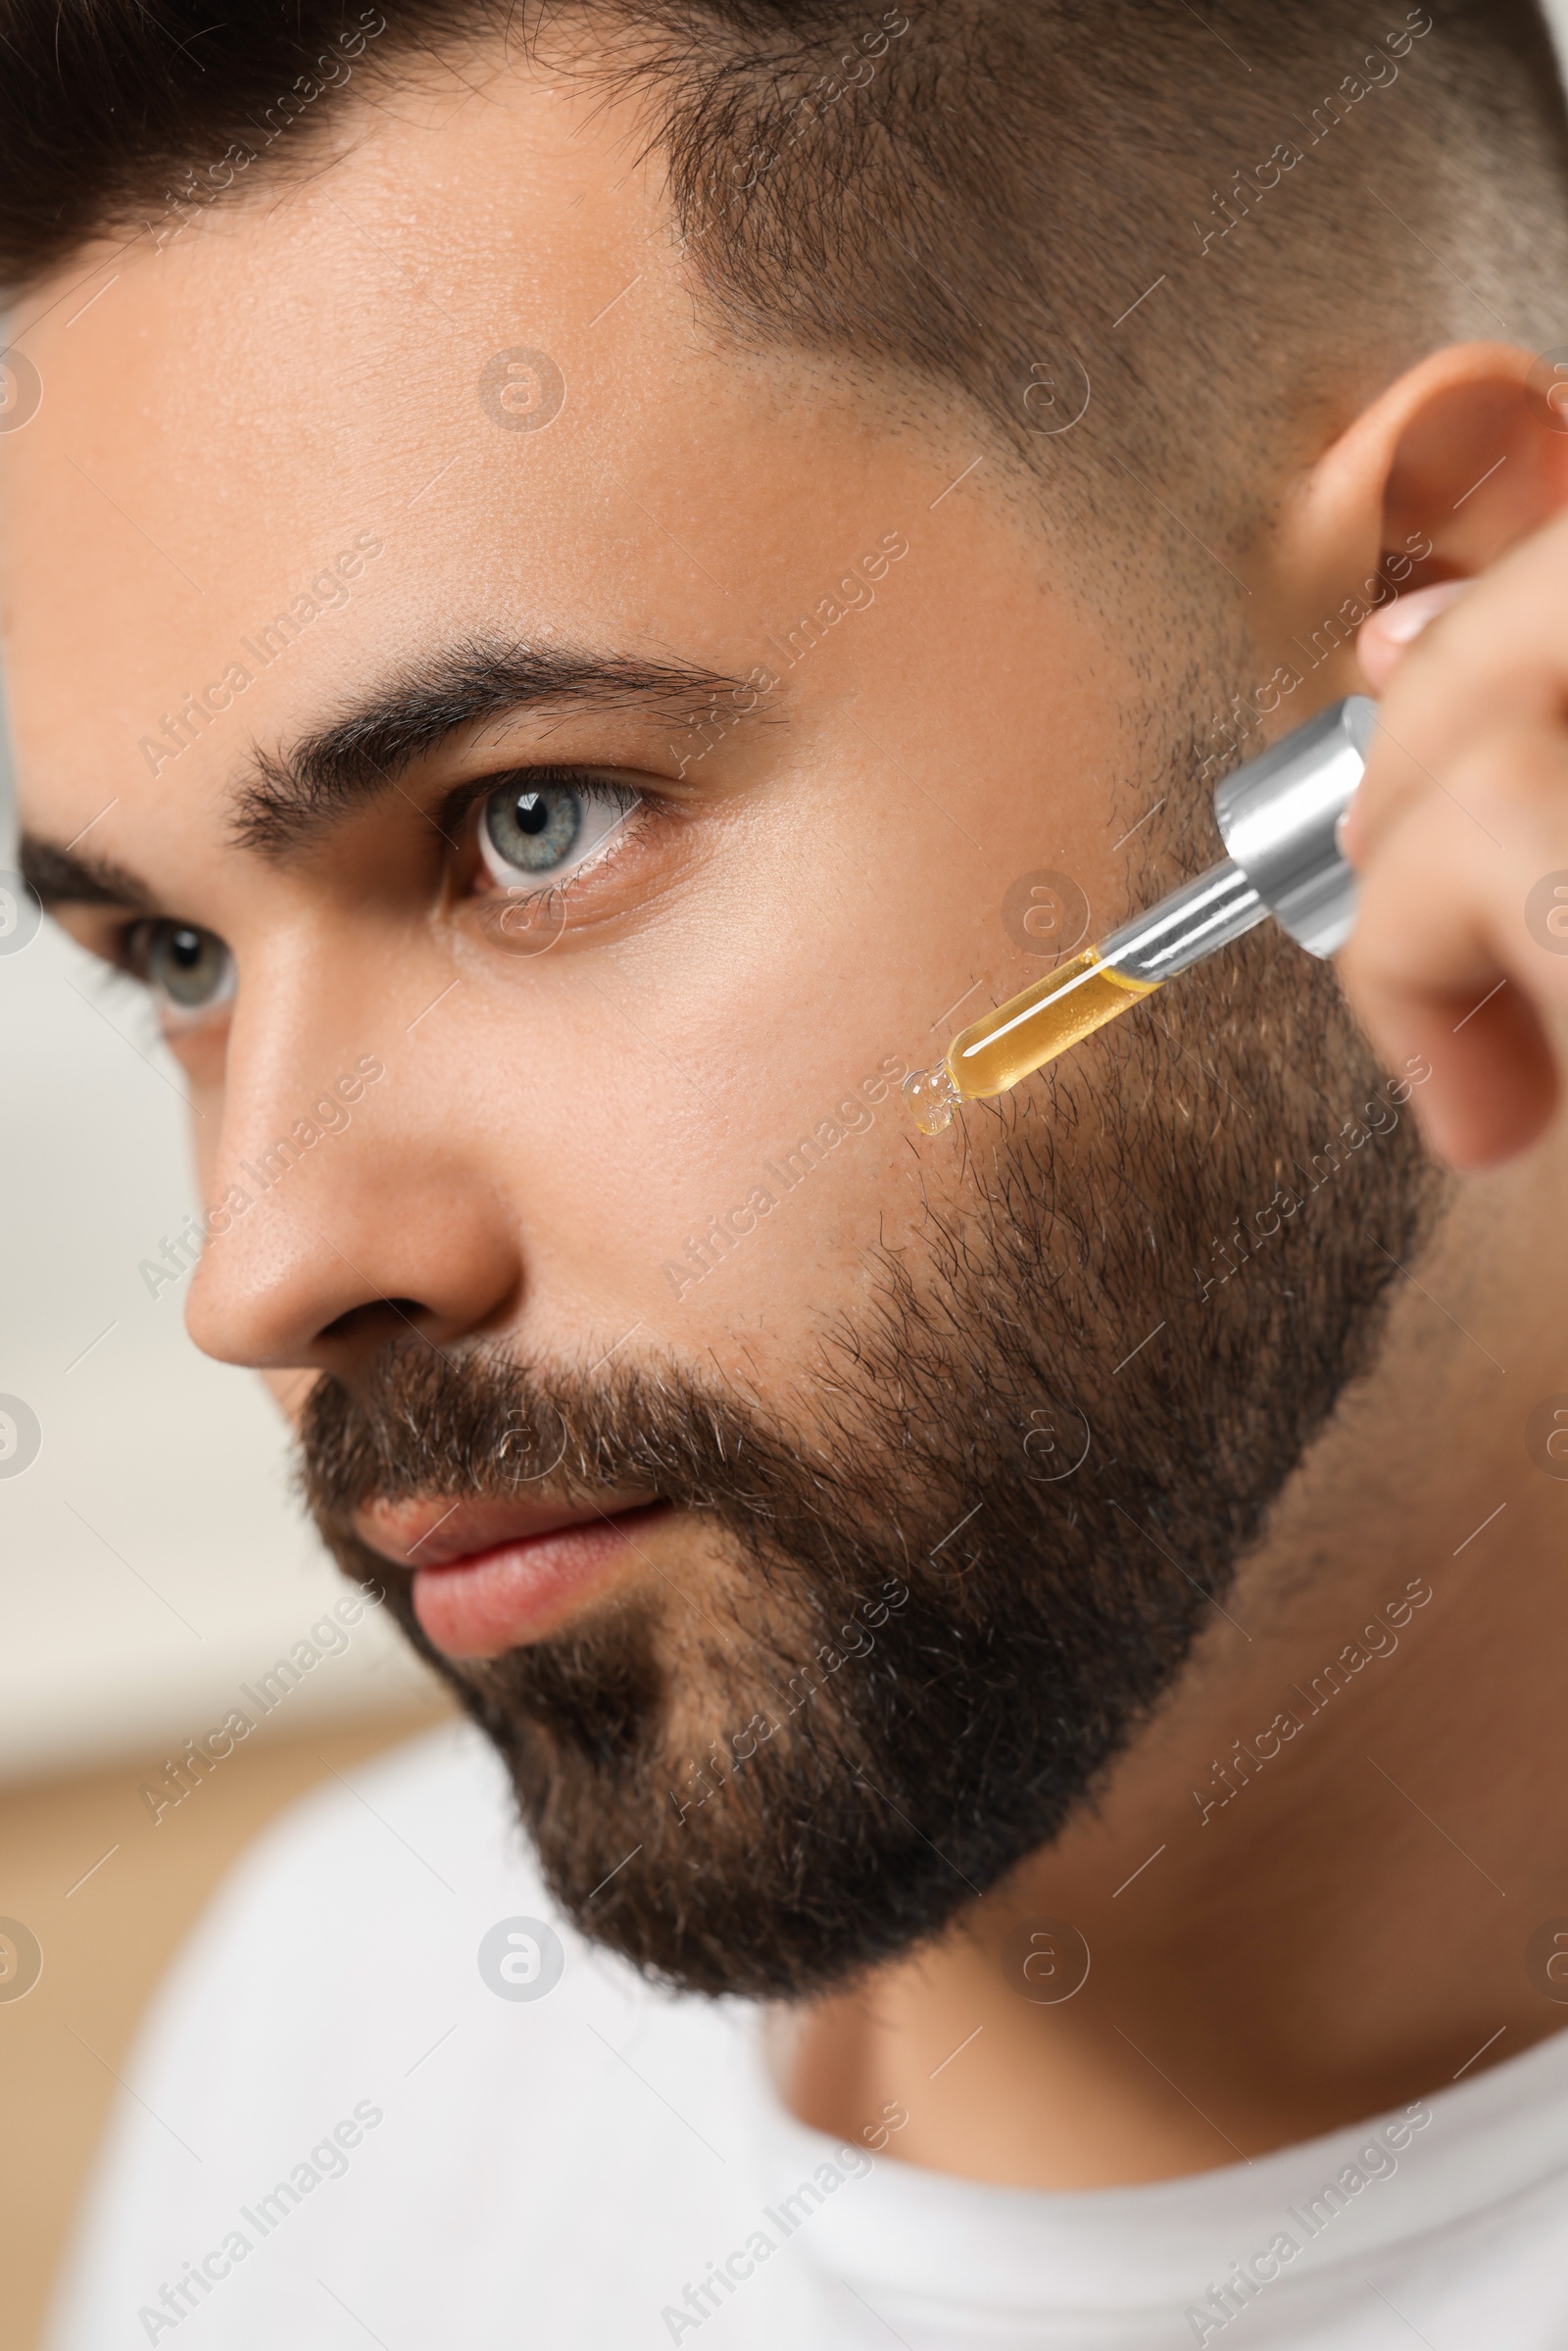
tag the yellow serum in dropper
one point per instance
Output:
(1279, 816)
(1022, 1035)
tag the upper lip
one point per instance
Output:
(432, 1532)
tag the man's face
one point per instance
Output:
(681, 721)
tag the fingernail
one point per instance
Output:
(1414, 613)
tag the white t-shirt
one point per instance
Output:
(344, 2133)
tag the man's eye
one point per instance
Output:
(537, 830)
(191, 970)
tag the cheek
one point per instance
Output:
(728, 1232)
(675, 1157)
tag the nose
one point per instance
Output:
(349, 1202)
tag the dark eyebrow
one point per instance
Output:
(69, 877)
(290, 799)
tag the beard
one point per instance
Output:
(940, 1593)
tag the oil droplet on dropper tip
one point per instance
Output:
(932, 1098)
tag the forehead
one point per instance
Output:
(469, 338)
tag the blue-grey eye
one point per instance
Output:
(535, 829)
(191, 969)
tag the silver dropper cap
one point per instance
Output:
(1279, 817)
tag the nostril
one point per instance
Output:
(380, 1319)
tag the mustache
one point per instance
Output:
(480, 1421)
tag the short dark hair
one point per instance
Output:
(1221, 229)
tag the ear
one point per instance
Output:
(1466, 454)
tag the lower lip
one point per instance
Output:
(521, 1591)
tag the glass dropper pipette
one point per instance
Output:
(1279, 818)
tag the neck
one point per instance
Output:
(1308, 1889)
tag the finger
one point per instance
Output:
(1504, 648)
(1453, 959)
(1382, 643)
(1384, 640)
